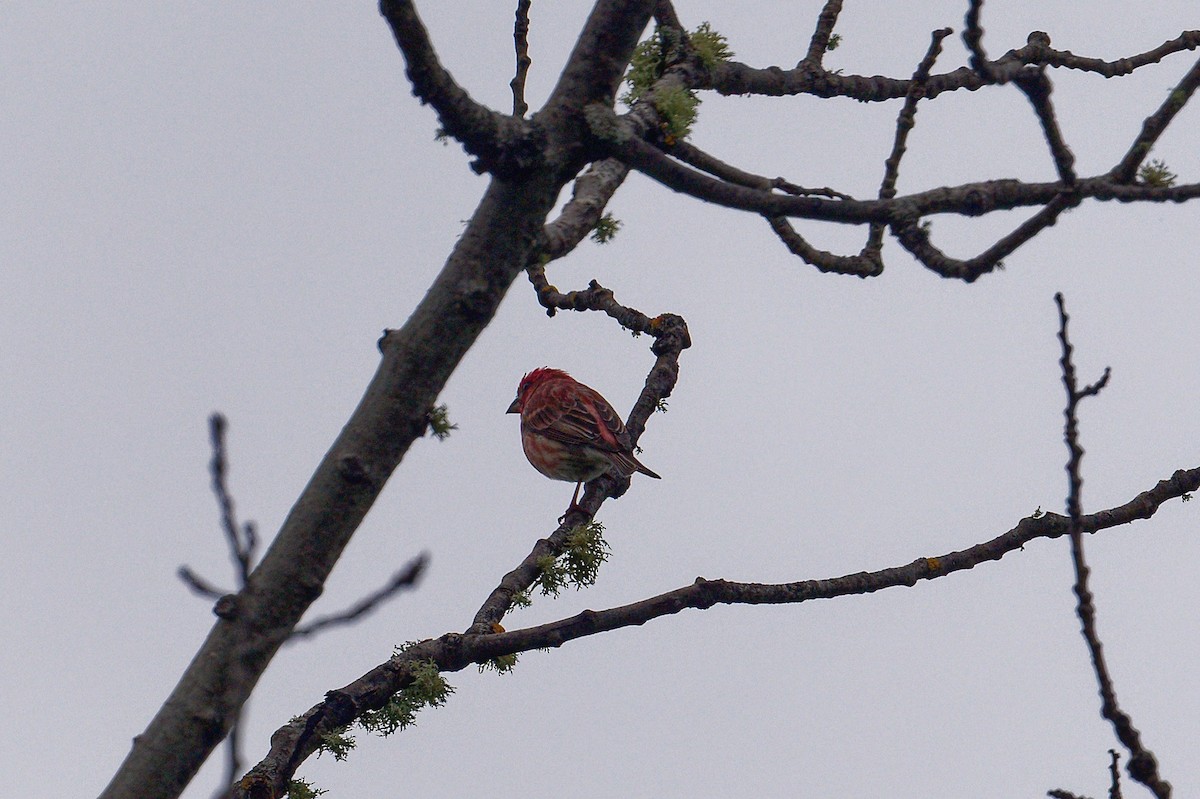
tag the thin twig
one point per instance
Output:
(1142, 765)
(198, 584)
(242, 540)
(521, 41)
(1114, 774)
(406, 578)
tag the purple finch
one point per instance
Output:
(569, 432)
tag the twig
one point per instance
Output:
(1142, 765)
(198, 584)
(1114, 774)
(521, 41)
(1155, 124)
(734, 78)
(406, 578)
(243, 541)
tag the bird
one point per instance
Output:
(569, 432)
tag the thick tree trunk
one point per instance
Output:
(417, 361)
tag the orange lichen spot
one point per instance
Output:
(934, 564)
(497, 627)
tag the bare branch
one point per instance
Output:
(198, 584)
(904, 124)
(1155, 124)
(735, 78)
(1037, 88)
(866, 264)
(406, 578)
(298, 739)
(819, 43)
(915, 239)
(664, 15)
(589, 197)
(1114, 774)
(499, 142)
(1143, 766)
(243, 541)
(521, 41)
(973, 39)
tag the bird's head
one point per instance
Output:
(531, 381)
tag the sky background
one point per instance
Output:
(219, 207)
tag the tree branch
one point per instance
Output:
(735, 78)
(1155, 124)
(819, 43)
(580, 215)
(402, 580)
(1036, 87)
(298, 739)
(1142, 765)
(501, 144)
(521, 42)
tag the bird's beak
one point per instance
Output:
(513, 408)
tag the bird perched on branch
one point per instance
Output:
(569, 432)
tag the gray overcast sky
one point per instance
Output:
(220, 207)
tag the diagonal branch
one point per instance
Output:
(406, 578)
(1155, 124)
(1142, 765)
(580, 215)
(905, 122)
(1037, 87)
(500, 143)
(298, 739)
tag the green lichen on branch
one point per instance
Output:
(504, 664)
(606, 229)
(711, 47)
(428, 689)
(303, 789)
(1155, 173)
(676, 105)
(835, 41)
(439, 423)
(337, 744)
(579, 562)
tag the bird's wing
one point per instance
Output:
(575, 414)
